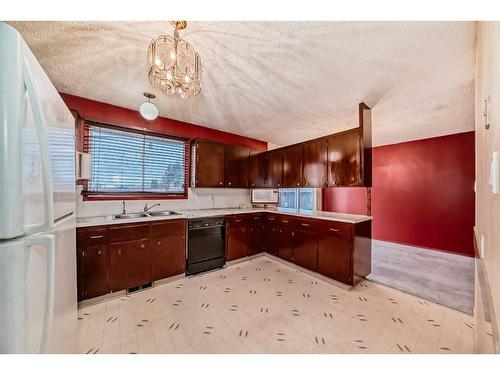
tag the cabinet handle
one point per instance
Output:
(305, 225)
(119, 252)
(270, 218)
(256, 218)
(143, 246)
(298, 183)
(220, 183)
(285, 221)
(307, 183)
(279, 185)
(158, 243)
(96, 237)
(229, 183)
(237, 220)
(334, 230)
(99, 252)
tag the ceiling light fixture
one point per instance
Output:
(147, 109)
(173, 64)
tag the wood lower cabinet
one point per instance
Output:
(93, 272)
(285, 242)
(129, 264)
(255, 238)
(111, 258)
(335, 257)
(168, 255)
(292, 166)
(305, 249)
(236, 241)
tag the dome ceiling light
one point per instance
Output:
(174, 67)
(147, 109)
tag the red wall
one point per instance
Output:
(422, 194)
(113, 115)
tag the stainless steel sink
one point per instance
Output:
(163, 213)
(130, 216)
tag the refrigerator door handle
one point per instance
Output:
(43, 141)
(48, 241)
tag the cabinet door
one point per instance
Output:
(210, 163)
(275, 169)
(315, 163)
(285, 242)
(257, 170)
(168, 256)
(255, 240)
(305, 249)
(344, 159)
(95, 265)
(292, 166)
(334, 257)
(129, 264)
(237, 242)
(237, 166)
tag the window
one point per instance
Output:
(299, 200)
(132, 163)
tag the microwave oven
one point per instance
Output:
(265, 196)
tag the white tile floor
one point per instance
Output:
(263, 306)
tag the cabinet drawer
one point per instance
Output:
(285, 220)
(93, 236)
(128, 232)
(271, 218)
(305, 224)
(253, 218)
(168, 227)
(233, 220)
(337, 228)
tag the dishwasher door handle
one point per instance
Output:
(209, 227)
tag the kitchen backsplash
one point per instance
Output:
(201, 198)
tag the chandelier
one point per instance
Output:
(173, 64)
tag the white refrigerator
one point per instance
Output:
(38, 297)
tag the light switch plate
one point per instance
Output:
(495, 172)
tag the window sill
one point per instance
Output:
(129, 197)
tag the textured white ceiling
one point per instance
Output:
(281, 82)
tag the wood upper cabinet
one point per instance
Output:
(292, 166)
(237, 162)
(129, 264)
(274, 178)
(258, 163)
(344, 159)
(315, 160)
(209, 164)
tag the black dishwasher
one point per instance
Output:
(206, 244)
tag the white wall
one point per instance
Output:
(197, 199)
(487, 141)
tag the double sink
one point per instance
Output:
(145, 214)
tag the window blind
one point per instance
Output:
(129, 162)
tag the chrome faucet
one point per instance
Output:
(146, 208)
(123, 208)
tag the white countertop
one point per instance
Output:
(193, 214)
